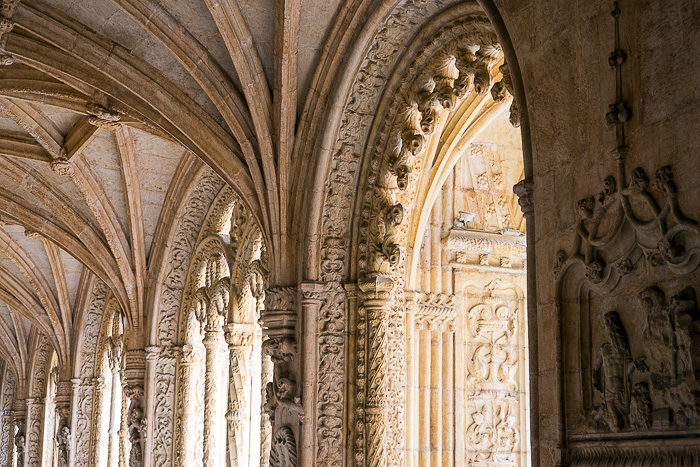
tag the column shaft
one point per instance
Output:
(424, 403)
(448, 380)
(185, 447)
(436, 397)
(212, 397)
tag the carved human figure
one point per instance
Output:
(640, 407)
(684, 310)
(19, 444)
(612, 375)
(63, 440)
(659, 340)
(136, 432)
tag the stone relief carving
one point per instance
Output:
(163, 409)
(662, 234)
(435, 311)
(628, 224)
(19, 446)
(330, 396)
(184, 241)
(137, 436)
(83, 422)
(493, 350)
(493, 433)
(612, 376)
(659, 388)
(279, 333)
(284, 449)
(34, 425)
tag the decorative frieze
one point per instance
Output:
(485, 242)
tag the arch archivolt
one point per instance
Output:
(448, 86)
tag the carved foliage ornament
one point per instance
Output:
(457, 62)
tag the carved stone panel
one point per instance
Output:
(631, 323)
(494, 384)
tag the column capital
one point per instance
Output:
(240, 334)
(188, 355)
(376, 290)
(152, 353)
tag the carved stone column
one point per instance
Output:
(239, 338)
(324, 311)
(213, 389)
(185, 439)
(75, 389)
(124, 427)
(6, 441)
(100, 439)
(265, 422)
(283, 395)
(35, 412)
(115, 414)
(377, 300)
(7, 395)
(152, 354)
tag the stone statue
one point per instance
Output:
(613, 371)
(19, 444)
(136, 434)
(64, 440)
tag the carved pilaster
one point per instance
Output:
(265, 422)
(324, 308)
(64, 435)
(19, 415)
(133, 418)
